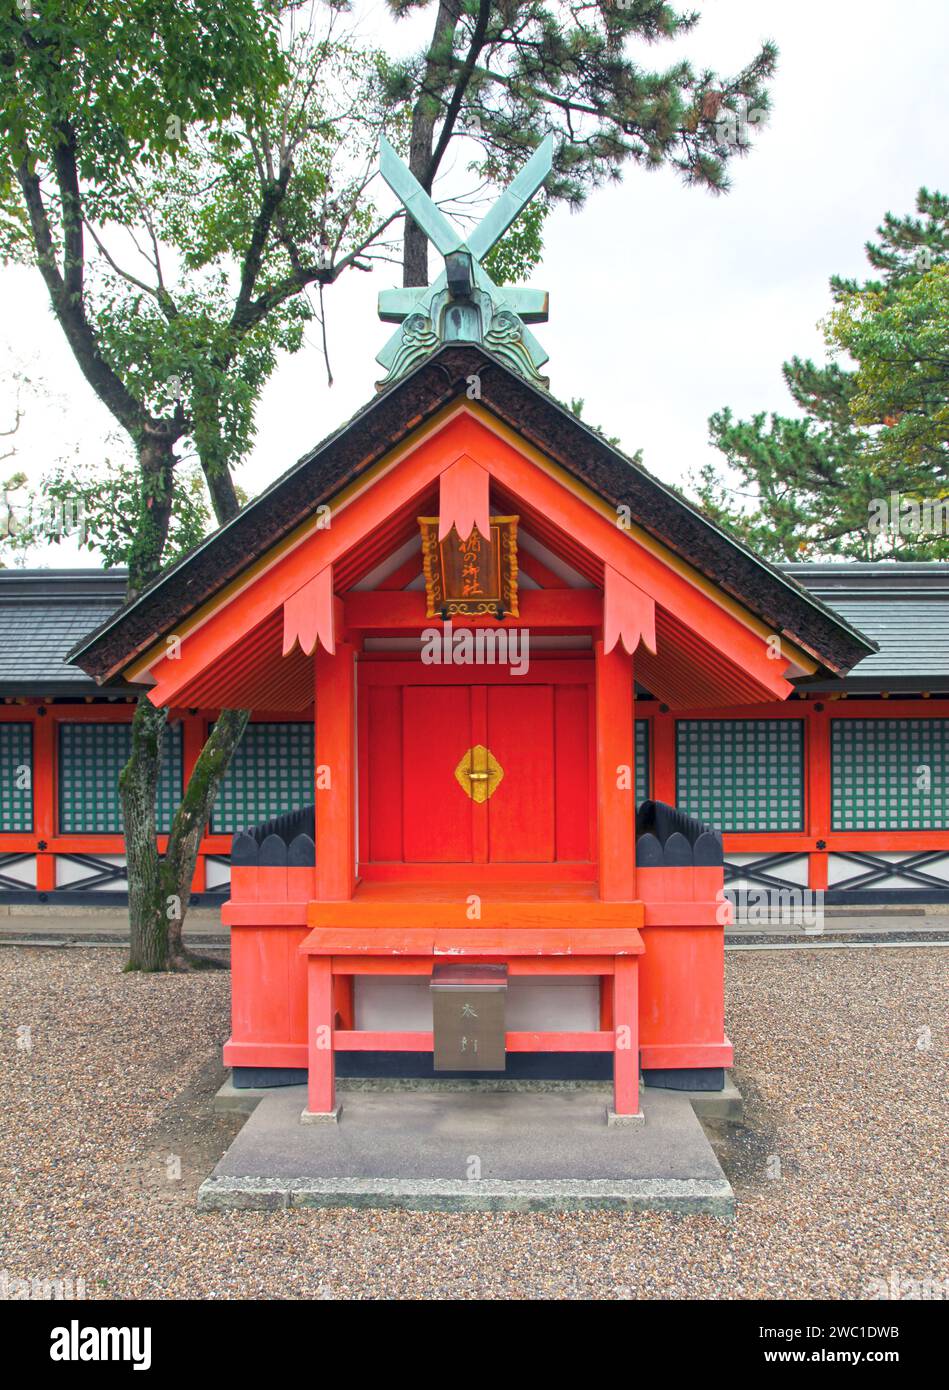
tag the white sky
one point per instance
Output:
(666, 303)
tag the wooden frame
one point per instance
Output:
(526, 952)
(438, 604)
(45, 842)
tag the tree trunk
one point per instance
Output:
(156, 462)
(425, 113)
(215, 453)
(187, 828)
(160, 888)
(138, 784)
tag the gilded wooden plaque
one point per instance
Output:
(472, 578)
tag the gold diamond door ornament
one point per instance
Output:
(479, 773)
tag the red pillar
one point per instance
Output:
(44, 796)
(663, 753)
(817, 753)
(616, 774)
(321, 1079)
(626, 1037)
(335, 767)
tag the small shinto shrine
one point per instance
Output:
(464, 588)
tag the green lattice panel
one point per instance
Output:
(271, 772)
(16, 777)
(91, 756)
(642, 760)
(889, 774)
(741, 774)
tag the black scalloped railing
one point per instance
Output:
(666, 836)
(287, 839)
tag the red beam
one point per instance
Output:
(615, 773)
(404, 611)
(346, 1040)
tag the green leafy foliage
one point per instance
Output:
(834, 479)
(505, 72)
(182, 174)
(519, 251)
(97, 507)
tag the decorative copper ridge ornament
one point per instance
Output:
(471, 578)
(463, 304)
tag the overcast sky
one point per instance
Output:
(667, 303)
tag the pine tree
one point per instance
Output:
(812, 485)
(504, 72)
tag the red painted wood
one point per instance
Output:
(259, 1054)
(687, 914)
(606, 1002)
(268, 992)
(335, 773)
(536, 569)
(263, 915)
(479, 810)
(571, 871)
(272, 883)
(402, 577)
(675, 1055)
(344, 1008)
(301, 883)
(242, 1054)
(681, 986)
(629, 615)
(433, 938)
(555, 610)
(626, 1037)
(473, 915)
(463, 499)
(411, 800)
(368, 1041)
(437, 815)
(45, 747)
(321, 1083)
(531, 966)
(520, 734)
(732, 657)
(309, 615)
(616, 778)
(381, 802)
(662, 751)
(817, 791)
(375, 670)
(265, 593)
(574, 792)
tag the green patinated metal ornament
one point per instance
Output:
(464, 304)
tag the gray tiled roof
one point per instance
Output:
(904, 607)
(43, 613)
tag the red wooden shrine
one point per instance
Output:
(470, 804)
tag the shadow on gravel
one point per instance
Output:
(188, 1139)
(746, 1150)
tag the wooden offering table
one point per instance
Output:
(405, 930)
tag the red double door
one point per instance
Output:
(456, 773)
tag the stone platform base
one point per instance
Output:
(470, 1149)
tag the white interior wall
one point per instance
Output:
(569, 1003)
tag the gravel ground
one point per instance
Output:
(839, 1170)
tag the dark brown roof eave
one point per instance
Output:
(540, 420)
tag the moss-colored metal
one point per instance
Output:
(464, 304)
